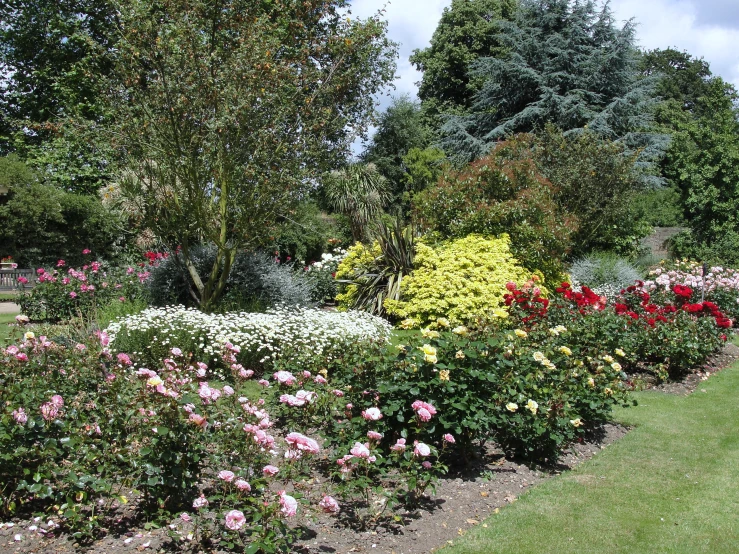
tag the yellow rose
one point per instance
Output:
(539, 357)
(616, 366)
(154, 381)
(532, 406)
(442, 322)
(461, 330)
(566, 351)
(511, 406)
(428, 350)
(444, 375)
(430, 359)
(591, 381)
(460, 355)
(576, 422)
(429, 334)
(521, 333)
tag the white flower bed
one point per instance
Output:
(297, 334)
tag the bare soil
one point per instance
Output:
(463, 499)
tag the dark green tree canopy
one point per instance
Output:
(56, 54)
(466, 31)
(400, 129)
(567, 64)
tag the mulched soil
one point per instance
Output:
(463, 499)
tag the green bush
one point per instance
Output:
(42, 223)
(502, 193)
(258, 281)
(63, 293)
(462, 280)
(531, 397)
(597, 183)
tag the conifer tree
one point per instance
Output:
(568, 64)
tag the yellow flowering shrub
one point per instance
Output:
(358, 258)
(459, 280)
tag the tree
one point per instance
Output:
(399, 130)
(596, 183)
(567, 64)
(56, 54)
(466, 32)
(226, 112)
(700, 112)
(358, 192)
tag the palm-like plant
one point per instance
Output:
(383, 280)
(360, 192)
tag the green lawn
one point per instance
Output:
(4, 328)
(670, 485)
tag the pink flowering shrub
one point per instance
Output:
(62, 292)
(78, 423)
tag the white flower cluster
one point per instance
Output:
(296, 334)
(328, 261)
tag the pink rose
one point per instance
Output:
(124, 359)
(422, 449)
(398, 446)
(424, 414)
(228, 391)
(284, 377)
(235, 520)
(289, 504)
(264, 383)
(200, 502)
(329, 505)
(270, 471)
(242, 485)
(372, 414)
(198, 420)
(49, 411)
(374, 435)
(320, 379)
(176, 352)
(360, 450)
(449, 438)
(302, 443)
(426, 465)
(20, 416)
(226, 475)
(57, 401)
(419, 405)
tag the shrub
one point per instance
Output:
(604, 272)
(502, 193)
(669, 339)
(77, 425)
(371, 282)
(461, 280)
(308, 336)
(322, 276)
(530, 396)
(62, 293)
(257, 282)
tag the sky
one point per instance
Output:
(704, 28)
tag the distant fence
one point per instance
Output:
(9, 278)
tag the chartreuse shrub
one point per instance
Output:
(359, 259)
(460, 280)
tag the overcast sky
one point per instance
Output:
(705, 28)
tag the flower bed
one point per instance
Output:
(309, 337)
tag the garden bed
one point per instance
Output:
(463, 499)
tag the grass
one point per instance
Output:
(4, 328)
(8, 295)
(671, 485)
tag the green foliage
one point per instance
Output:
(423, 168)
(304, 234)
(359, 192)
(554, 48)
(57, 55)
(461, 280)
(64, 293)
(399, 130)
(660, 207)
(596, 182)
(227, 112)
(375, 276)
(42, 224)
(466, 32)
(502, 193)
